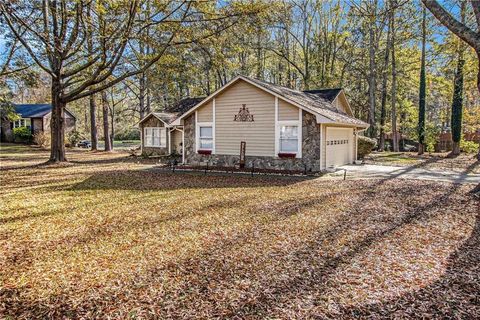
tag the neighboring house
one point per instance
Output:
(36, 117)
(279, 128)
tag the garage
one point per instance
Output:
(339, 146)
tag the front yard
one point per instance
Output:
(106, 236)
(441, 161)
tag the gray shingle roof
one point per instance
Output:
(311, 100)
(166, 116)
(328, 94)
(174, 111)
(184, 105)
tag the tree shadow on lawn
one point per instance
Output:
(60, 306)
(278, 296)
(211, 284)
(150, 180)
(454, 295)
(318, 272)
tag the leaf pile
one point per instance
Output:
(105, 238)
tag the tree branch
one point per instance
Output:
(455, 26)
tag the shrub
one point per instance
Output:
(365, 146)
(133, 134)
(468, 146)
(41, 139)
(431, 135)
(22, 134)
(74, 138)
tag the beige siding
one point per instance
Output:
(176, 141)
(286, 111)
(205, 113)
(37, 125)
(259, 135)
(341, 103)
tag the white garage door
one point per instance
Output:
(339, 146)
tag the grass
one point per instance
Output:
(105, 236)
(121, 144)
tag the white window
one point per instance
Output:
(155, 137)
(289, 138)
(23, 122)
(205, 137)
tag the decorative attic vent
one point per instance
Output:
(243, 115)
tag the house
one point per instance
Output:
(36, 117)
(259, 124)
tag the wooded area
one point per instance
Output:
(403, 72)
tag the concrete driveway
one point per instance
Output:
(411, 172)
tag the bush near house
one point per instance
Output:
(468, 146)
(42, 139)
(74, 138)
(365, 146)
(22, 134)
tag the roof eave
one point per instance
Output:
(148, 116)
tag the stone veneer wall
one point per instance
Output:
(310, 150)
(153, 151)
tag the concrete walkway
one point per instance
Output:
(412, 172)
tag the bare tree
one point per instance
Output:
(54, 34)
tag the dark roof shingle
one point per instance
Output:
(328, 94)
(174, 111)
(33, 110)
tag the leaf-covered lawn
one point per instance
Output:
(465, 163)
(108, 237)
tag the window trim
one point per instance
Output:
(290, 123)
(279, 123)
(146, 141)
(197, 140)
(280, 138)
(22, 122)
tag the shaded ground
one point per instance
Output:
(439, 161)
(371, 171)
(112, 239)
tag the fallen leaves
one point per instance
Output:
(111, 239)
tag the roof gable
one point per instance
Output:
(173, 112)
(308, 101)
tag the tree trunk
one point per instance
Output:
(93, 122)
(478, 87)
(141, 95)
(57, 125)
(394, 87)
(381, 145)
(372, 83)
(422, 91)
(106, 135)
(457, 101)
(112, 128)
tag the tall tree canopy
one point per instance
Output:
(56, 34)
